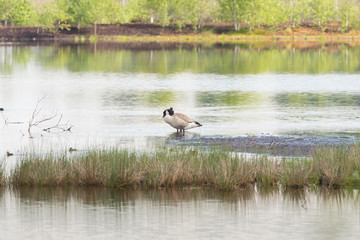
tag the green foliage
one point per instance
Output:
(295, 11)
(56, 14)
(348, 14)
(5, 10)
(323, 11)
(78, 10)
(18, 12)
(100, 12)
(233, 10)
(242, 13)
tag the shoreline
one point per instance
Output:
(155, 33)
(272, 145)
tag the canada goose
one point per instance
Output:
(179, 121)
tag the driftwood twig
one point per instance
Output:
(35, 121)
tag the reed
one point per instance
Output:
(42, 171)
(169, 169)
(107, 167)
(333, 166)
(354, 155)
(226, 171)
(267, 171)
(296, 173)
(2, 174)
(220, 169)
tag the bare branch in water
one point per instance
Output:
(36, 122)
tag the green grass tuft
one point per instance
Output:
(220, 169)
(2, 174)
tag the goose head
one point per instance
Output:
(169, 111)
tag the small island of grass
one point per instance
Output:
(184, 167)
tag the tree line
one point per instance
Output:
(243, 14)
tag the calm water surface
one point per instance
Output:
(179, 214)
(116, 93)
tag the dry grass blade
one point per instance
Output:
(333, 165)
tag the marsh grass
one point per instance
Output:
(42, 171)
(226, 171)
(296, 173)
(2, 173)
(170, 169)
(107, 167)
(220, 169)
(334, 166)
(267, 171)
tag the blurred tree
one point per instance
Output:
(5, 10)
(233, 10)
(348, 14)
(79, 11)
(295, 11)
(271, 13)
(101, 12)
(56, 13)
(253, 12)
(18, 12)
(323, 11)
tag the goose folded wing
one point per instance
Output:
(184, 117)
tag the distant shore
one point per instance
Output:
(151, 32)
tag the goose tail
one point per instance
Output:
(192, 125)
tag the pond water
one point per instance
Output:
(179, 214)
(115, 93)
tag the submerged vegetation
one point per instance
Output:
(220, 169)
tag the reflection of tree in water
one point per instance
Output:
(12, 57)
(250, 58)
(317, 99)
(139, 98)
(158, 98)
(162, 98)
(228, 98)
(120, 98)
(167, 59)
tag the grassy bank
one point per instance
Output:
(154, 33)
(221, 38)
(117, 168)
